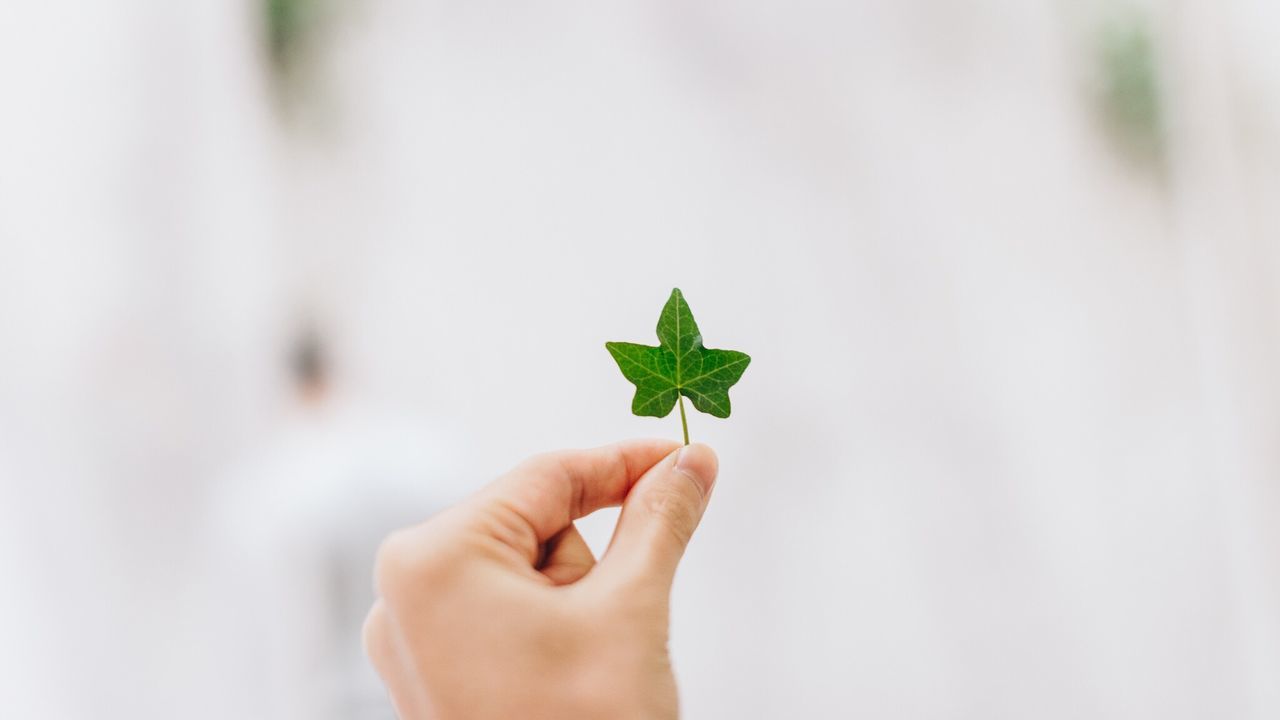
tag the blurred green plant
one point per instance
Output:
(1131, 86)
(291, 30)
(286, 24)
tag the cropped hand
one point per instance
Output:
(496, 608)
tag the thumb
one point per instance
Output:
(659, 516)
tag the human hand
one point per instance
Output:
(496, 608)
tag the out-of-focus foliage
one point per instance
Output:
(291, 30)
(1130, 85)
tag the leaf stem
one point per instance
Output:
(684, 424)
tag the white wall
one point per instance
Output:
(1005, 449)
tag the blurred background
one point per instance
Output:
(278, 276)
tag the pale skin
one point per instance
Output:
(496, 608)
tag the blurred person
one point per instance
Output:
(496, 608)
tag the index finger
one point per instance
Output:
(548, 492)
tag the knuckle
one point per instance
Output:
(544, 461)
(401, 559)
(374, 632)
(391, 562)
(411, 560)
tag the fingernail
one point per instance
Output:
(699, 462)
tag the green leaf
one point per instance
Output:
(679, 366)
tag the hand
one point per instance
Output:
(496, 608)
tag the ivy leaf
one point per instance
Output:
(679, 367)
